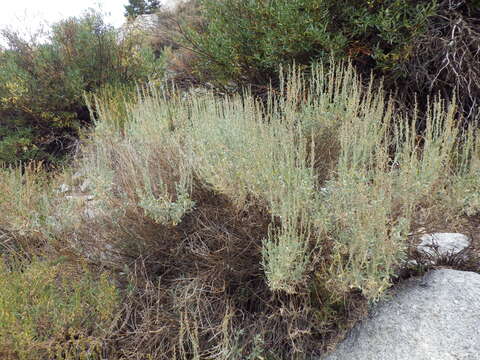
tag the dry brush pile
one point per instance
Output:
(444, 59)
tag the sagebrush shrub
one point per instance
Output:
(240, 227)
(334, 175)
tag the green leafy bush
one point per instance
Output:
(420, 48)
(140, 7)
(248, 40)
(42, 84)
(17, 145)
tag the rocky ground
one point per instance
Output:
(433, 317)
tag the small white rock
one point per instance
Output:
(443, 243)
(86, 185)
(64, 188)
(90, 213)
(80, 198)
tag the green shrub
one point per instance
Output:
(18, 145)
(42, 85)
(405, 42)
(248, 40)
(52, 310)
(140, 7)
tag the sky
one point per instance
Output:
(29, 15)
(15, 12)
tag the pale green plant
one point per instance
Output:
(165, 211)
(465, 193)
(337, 172)
(248, 159)
(35, 210)
(269, 155)
(374, 194)
(24, 199)
(357, 205)
(138, 163)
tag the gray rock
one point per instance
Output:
(443, 244)
(436, 317)
(86, 186)
(64, 188)
(90, 213)
(80, 198)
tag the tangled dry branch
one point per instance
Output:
(445, 59)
